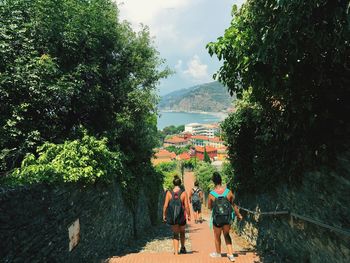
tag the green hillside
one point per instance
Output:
(210, 97)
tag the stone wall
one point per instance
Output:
(34, 222)
(324, 196)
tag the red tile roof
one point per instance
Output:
(216, 139)
(208, 149)
(175, 140)
(164, 153)
(184, 156)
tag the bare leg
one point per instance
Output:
(176, 232)
(217, 237)
(182, 235)
(196, 216)
(228, 240)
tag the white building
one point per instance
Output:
(208, 130)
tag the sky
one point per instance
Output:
(181, 30)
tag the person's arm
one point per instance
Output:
(210, 201)
(201, 196)
(187, 207)
(166, 203)
(190, 197)
(235, 208)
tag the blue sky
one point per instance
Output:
(181, 29)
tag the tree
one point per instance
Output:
(204, 172)
(294, 56)
(178, 150)
(70, 64)
(206, 156)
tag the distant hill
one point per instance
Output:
(210, 97)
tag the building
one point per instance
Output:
(185, 135)
(222, 153)
(193, 128)
(163, 156)
(199, 140)
(208, 130)
(176, 141)
(183, 156)
(202, 140)
(211, 151)
(215, 142)
(211, 130)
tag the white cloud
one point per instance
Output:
(197, 71)
(142, 11)
(178, 65)
(163, 18)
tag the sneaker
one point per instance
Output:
(183, 250)
(231, 257)
(215, 255)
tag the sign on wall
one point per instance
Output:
(74, 234)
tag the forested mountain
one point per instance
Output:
(211, 97)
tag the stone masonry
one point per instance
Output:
(34, 222)
(323, 196)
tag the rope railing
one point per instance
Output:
(301, 217)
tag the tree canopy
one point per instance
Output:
(292, 57)
(71, 65)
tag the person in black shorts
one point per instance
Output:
(196, 198)
(221, 194)
(177, 227)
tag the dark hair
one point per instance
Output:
(196, 183)
(216, 178)
(177, 181)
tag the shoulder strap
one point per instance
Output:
(226, 192)
(215, 194)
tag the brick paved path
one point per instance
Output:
(202, 242)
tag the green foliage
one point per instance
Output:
(206, 156)
(292, 57)
(168, 170)
(178, 150)
(203, 172)
(228, 176)
(191, 163)
(66, 64)
(86, 161)
(169, 130)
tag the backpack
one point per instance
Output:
(222, 209)
(195, 197)
(175, 210)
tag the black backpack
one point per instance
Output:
(175, 211)
(195, 196)
(222, 209)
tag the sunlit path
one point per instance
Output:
(201, 240)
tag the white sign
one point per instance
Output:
(74, 234)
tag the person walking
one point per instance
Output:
(221, 203)
(175, 210)
(196, 198)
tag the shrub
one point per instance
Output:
(86, 161)
(168, 170)
(203, 173)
